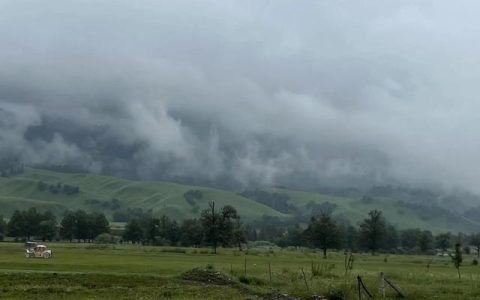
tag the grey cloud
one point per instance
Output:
(271, 92)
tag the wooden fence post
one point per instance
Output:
(245, 267)
(382, 284)
(360, 282)
(270, 272)
(400, 294)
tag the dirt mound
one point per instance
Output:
(207, 276)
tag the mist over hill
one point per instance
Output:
(241, 94)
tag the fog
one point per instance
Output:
(310, 93)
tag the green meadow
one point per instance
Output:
(166, 198)
(91, 271)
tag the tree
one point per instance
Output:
(47, 229)
(210, 222)
(475, 241)
(151, 229)
(32, 222)
(425, 241)
(323, 233)
(16, 224)
(191, 232)
(133, 231)
(238, 234)
(442, 241)
(219, 227)
(372, 231)
(457, 258)
(227, 225)
(67, 226)
(98, 224)
(410, 238)
(82, 226)
(294, 236)
(3, 228)
(391, 238)
(169, 230)
(351, 238)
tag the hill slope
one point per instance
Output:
(96, 192)
(23, 191)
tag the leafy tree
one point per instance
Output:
(457, 258)
(442, 241)
(238, 234)
(169, 230)
(32, 222)
(351, 238)
(425, 241)
(82, 225)
(227, 225)
(47, 229)
(219, 227)
(323, 233)
(210, 219)
(475, 241)
(372, 231)
(3, 228)
(191, 232)
(16, 224)
(410, 238)
(133, 231)
(151, 229)
(67, 226)
(391, 238)
(98, 224)
(294, 236)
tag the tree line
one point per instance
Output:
(373, 234)
(214, 228)
(31, 224)
(223, 228)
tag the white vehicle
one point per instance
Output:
(34, 250)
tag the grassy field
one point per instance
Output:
(80, 271)
(21, 192)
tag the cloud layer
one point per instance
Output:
(269, 92)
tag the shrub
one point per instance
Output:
(105, 238)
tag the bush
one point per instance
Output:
(251, 280)
(174, 250)
(105, 238)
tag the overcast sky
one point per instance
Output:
(324, 92)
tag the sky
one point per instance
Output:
(299, 93)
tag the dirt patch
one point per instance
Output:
(207, 276)
(279, 297)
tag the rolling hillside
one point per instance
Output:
(96, 192)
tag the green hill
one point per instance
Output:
(22, 192)
(397, 212)
(95, 193)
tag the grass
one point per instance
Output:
(80, 271)
(354, 210)
(165, 198)
(161, 197)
